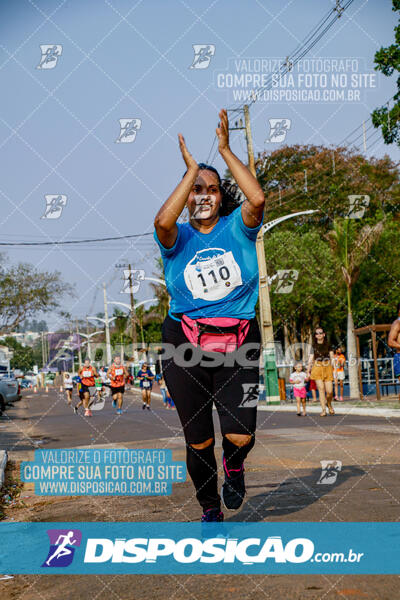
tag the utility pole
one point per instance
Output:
(79, 344)
(89, 348)
(267, 332)
(107, 326)
(133, 318)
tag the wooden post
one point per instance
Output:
(378, 391)
(359, 367)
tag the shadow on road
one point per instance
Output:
(292, 495)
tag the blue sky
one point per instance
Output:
(120, 59)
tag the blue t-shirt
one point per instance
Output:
(145, 383)
(213, 274)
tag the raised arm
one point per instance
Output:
(253, 206)
(165, 221)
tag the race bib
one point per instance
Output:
(212, 274)
(86, 374)
(146, 384)
(119, 371)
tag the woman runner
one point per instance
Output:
(211, 272)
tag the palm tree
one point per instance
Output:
(351, 246)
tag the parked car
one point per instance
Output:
(9, 391)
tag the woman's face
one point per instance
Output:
(205, 197)
(320, 336)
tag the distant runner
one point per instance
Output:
(87, 373)
(68, 386)
(146, 378)
(118, 375)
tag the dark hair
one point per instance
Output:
(231, 195)
(319, 327)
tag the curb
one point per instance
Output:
(339, 410)
(3, 462)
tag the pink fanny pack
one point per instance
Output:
(215, 334)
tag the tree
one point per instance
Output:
(298, 177)
(26, 291)
(387, 61)
(351, 247)
(314, 298)
(377, 292)
(23, 357)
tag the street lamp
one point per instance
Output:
(88, 336)
(128, 306)
(106, 322)
(267, 331)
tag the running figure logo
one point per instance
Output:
(62, 547)
(128, 130)
(202, 56)
(54, 206)
(132, 277)
(357, 205)
(250, 395)
(330, 470)
(286, 280)
(50, 55)
(278, 129)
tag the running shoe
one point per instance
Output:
(114, 403)
(212, 515)
(233, 488)
(143, 406)
(148, 407)
(87, 413)
(119, 411)
(90, 413)
(76, 410)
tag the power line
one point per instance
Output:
(87, 241)
(300, 51)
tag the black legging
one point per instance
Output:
(232, 387)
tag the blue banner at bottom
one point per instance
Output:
(196, 548)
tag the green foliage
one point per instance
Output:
(25, 292)
(317, 295)
(23, 357)
(378, 287)
(387, 61)
(332, 175)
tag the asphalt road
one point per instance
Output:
(282, 474)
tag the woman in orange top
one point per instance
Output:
(117, 374)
